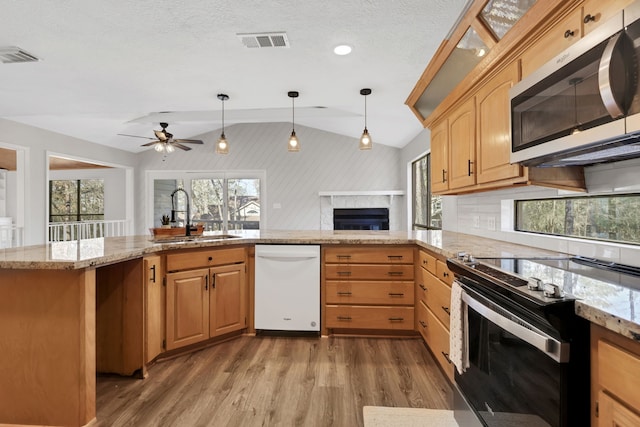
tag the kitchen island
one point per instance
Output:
(48, 307)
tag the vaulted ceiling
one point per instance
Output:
(123, 66)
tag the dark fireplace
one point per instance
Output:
(361, 219)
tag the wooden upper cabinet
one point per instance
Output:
(595, 12)
(462, 145)
(494, 130)
(440, 157)
(563, 34)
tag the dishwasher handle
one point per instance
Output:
(286, 256)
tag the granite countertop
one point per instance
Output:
(613, 306)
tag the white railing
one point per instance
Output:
(78, 230)
(11, 236)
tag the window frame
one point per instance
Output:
(428, 204)
(78, 212)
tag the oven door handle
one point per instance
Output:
(550, 346)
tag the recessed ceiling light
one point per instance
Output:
(342, 49)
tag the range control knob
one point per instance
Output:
(534, 284)
(551, 291)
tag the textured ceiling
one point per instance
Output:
(114, 67)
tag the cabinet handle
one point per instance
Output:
(396, 294)
(345, 318)
(213, 281)
(446, 309)
(210, 258)
(588, 18)
(424, 325)
(444, 175)
(425, 261)
(153, 277)
(469, 163)
(396, 319)
(445, 274)
(569, 33)
(343, 256)
(395, 256)
(422, 287)
(446, 356)
(395, 273)
(206, 282)
(344, 293)
(344, 273)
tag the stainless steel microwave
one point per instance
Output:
(583, 106)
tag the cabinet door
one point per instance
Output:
(440, 157)
(462, 146)
(612, 413)
(228, 306)
(494, 128)
(187, 307)
(153, 318)
(595, 12)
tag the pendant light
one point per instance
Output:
(365, 139)
(294, 144)
(222, 146)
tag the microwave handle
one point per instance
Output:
(604, 78)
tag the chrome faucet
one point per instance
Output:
(187, 225)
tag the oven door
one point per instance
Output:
(515, 376)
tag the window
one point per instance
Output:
(219, 201)
(427, 209)
(614, 218)
(76, 200)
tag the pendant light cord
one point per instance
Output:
(293, 114)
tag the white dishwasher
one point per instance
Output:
(287, 288)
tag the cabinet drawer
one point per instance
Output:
(439, 299)
(421, 319)
(347, 317)
(422, 280)
(443, 273)
(204, 258)
(428, 262)
(619, 372)
(377, 255)
(438, 342)
(369, 271)
(364, 292)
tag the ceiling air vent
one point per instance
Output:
(252, 40)
(13, 54)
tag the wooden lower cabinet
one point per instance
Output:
(154, 325)
(615, 375)
(368, 288)
(204, 303)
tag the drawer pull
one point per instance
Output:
(569, 33)
(588, 18)
(422, 287)
(446, 356)
(153, 269)
(210, 258)
(395, 256)
(344, 293)
(425, 262)
(395, 273)
(344, 273)
(445, 274)
(396, 294)
(343, 256)
(396, 319)
(344, 318)
(424, 325)
(446, 309)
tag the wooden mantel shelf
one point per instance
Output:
(390, 193)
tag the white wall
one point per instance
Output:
(460, 212)
(114, 184)
(326, 162)
(37, 143)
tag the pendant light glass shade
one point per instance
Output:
(294, 144)
(222, 146)
(365, 139)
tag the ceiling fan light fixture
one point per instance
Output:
(159, 147)
(222, 146)
(365, 139)
(169, 148)
(293, 144)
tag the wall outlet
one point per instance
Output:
(476, 221)
(491, 223)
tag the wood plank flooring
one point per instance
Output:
(277, 381)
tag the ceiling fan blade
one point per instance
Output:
(134, 136)
(160, 135)
(182, 147)
(188, 141)
(148, 144)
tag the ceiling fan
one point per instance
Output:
(165, 141)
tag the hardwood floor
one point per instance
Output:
(277, 381)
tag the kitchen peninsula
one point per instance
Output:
(48, 307)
